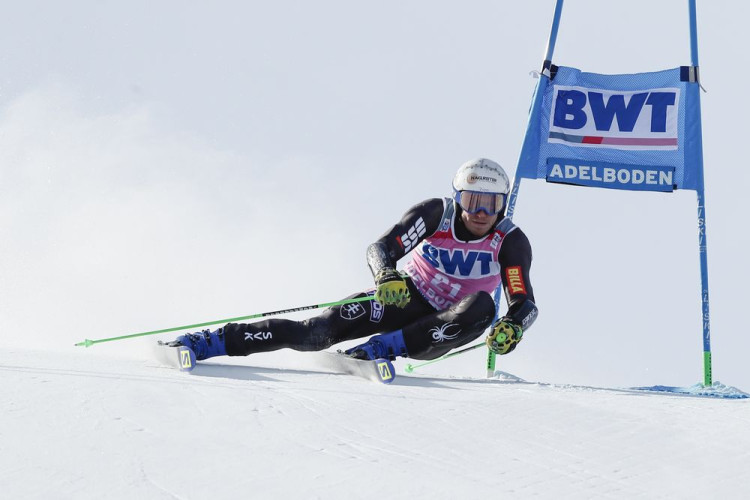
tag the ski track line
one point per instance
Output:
(146, 478)
(350, 442)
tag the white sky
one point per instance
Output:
(164, 163)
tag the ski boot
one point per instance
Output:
(386, 345)
(205, 344)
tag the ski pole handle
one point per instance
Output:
(87, 342)
(410, 368)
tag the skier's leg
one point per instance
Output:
(242, 339)
(336, 324)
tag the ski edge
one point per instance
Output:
(377, 370)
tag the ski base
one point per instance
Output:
(378, 370)
(179, 357)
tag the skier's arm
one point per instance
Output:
(515, 264)
(419, 222)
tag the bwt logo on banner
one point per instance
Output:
(635, 120)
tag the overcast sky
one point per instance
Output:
(165, 163)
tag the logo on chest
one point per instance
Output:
(458, 261)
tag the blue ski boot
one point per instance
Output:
(205, 344)
(386, 345)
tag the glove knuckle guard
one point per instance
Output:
(504, 337)
(391, 288)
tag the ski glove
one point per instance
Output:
(391, 288)
(504, 336)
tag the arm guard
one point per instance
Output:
(515, 263)
(418, 223)
(524, 315)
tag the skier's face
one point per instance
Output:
(479, 223)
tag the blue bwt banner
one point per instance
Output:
(636, 132)
(639, 132)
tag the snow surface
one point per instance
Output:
(84, 424)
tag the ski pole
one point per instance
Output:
(87, 342)
(410, 368)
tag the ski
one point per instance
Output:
(179, 357)
(377, 370)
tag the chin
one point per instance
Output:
(480, 231)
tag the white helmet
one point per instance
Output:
(481, 185)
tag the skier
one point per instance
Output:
(463, 248)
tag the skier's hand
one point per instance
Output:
(391, 288)
(504, 336)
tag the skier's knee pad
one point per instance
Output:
(317, 334)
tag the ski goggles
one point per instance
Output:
(475, 202)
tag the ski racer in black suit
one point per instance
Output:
(462, 249)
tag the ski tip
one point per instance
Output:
(385, 370)
(186, 359)
(177, 356)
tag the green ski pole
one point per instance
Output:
(410, 368)
(490, 364)
(87, 342)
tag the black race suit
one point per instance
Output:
(418, 320)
